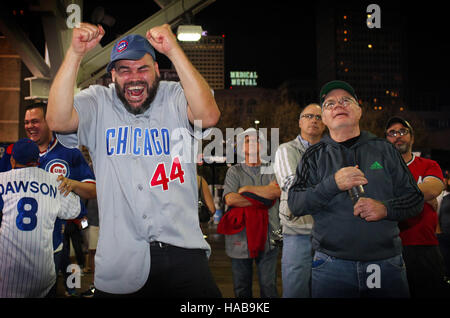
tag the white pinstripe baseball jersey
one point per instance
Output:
(30, 202)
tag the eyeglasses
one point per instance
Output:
(400, 132)
(311, 116)
(344, 101)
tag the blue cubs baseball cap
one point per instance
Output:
(130, 47)
(26, 152)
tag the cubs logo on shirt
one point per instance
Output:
(58, 166)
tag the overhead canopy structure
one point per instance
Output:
(58, 36)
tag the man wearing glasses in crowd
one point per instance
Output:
(296, 259)
(424, 262)
(357, 187)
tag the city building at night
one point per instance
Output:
(369, 58)
(207, 55)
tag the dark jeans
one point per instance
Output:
(334, 277)
(296, 266)
(266, 264)
(425, 270)
(73, 232)
(176, 273)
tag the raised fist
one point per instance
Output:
(86, 37)
(162, 39)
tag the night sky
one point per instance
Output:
(272, 38)
(277, 38)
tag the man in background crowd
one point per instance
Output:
(296, 253)
(424, 263)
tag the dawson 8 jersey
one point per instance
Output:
(64, 161)
(30, 203)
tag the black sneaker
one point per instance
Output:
(89, 293)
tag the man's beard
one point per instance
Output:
(151, 93)
(403, 148)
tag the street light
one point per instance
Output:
(257, 123)
(189, 32)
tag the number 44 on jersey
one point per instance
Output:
(160, 176)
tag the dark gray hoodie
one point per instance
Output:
(337, 232)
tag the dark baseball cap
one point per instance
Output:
(328, 87)
(395, 120)
(130, 47)
(26, 152)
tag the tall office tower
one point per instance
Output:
(366, 55)
(207, 55)
(11, 91)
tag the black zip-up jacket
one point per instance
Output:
(337, 232)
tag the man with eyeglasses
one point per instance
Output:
(424, 262)
(296, 254)
(358, 251)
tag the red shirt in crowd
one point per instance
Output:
(421, 230)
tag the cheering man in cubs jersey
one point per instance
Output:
(29, 202)
(136, 130)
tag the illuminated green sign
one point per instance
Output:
(243, 78)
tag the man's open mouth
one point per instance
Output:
(135, 93)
